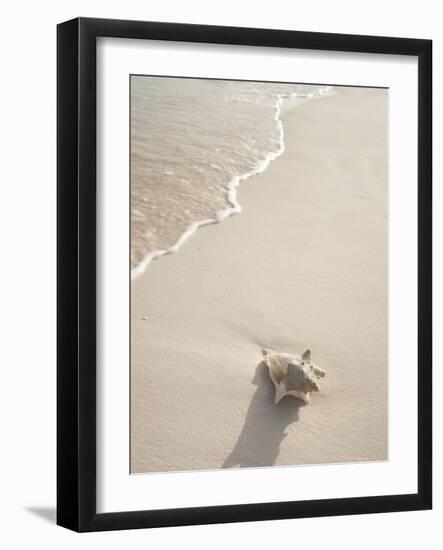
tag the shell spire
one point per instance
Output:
(293, 375)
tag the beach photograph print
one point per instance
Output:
(259, 274)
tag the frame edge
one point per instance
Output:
(67, 279)
(424, 359)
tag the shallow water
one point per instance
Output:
(192, 141)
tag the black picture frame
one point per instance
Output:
(76, 280)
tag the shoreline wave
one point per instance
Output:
(234, 182)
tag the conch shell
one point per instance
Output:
(293, 374)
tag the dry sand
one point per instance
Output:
(303, 265)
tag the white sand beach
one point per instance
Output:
(304, 265)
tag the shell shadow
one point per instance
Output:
(265, 425)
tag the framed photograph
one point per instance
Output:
(244, 274)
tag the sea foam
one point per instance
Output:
(171, 138)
